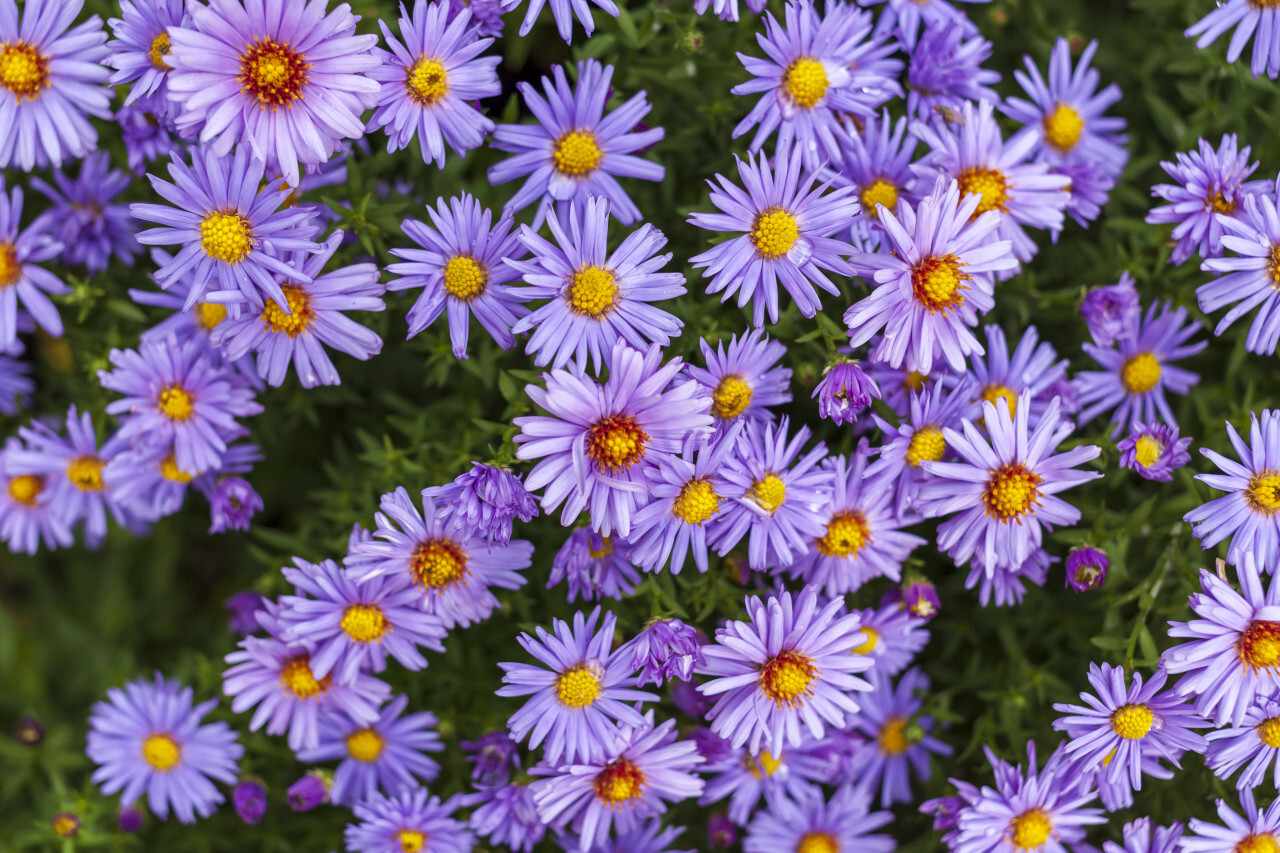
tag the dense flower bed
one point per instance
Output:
(639, 428)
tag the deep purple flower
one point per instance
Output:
(845, 391)
(1112, 312)
(29, 732)
(666, 648)
(129, 819)
(921, 599)
(308, 792)
(1154, 451)
(486, 501)
(232, 505)
(243, 608)
(494, 756)
(946, 70)
(84, 216)
(1086, 568)
(148, 131)
(594, 566)
(721, 832)
(250, 800)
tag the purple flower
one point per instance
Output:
(563, 11)
(575, 150)
(485, 501)
(946, 70)
(745, 778)
(430, 82)
(506, 816)
(66, 825)
(1086, 568)
(308, 792)
(785, 223)
(232, 505)
(486, 15)
(1090, 187)
(50, 82)
(27, 517)
(791, 664)
(579, 694)
(148, 131)
(845, 391)
(931, 282)
(1032, 369)
(1141, 837)
(147, 739)
(721, 833)
(1254, 830)
(744, 380)
(1255, 741)
(1245, 16)
(898, 740)
(20, 279)
(1112, 312)
(595, 566)
(494, 756)
(894, 636)
(84, 217)
(406, 822)
(250, 800)
(908, 16)
(28, 732)
(1249, 281)
(594, 298)
(921, 599)
(1154, 451)
(811, 824)
(140, 50)
(243, 608)
(666, 648)
(129, 819)
(462, 270)
(235, 66)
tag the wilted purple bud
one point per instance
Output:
(495, 756)
(1154, 451)
(721, 833)
(29, 732)
(921, 599)
(232, 505)
(66, 825)
(129, 819)
(666, 648)
(250, 800)
(244, 607)
(308, 792)
(485, 501)
(711, 746)
(1086, 568)
(1111, 313)
(845, 391)
(945, 811)
(687, 698)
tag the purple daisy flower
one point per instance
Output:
(147, 739)
(387, 754)
(650, 837)
(51, 79)
(486, 15)
(894, 637)
(862, 539)
(897, 386)
(225, 220)
(1141, 837)
(1249, 280)
(308, 792)
(84, 219)
(1233, 647)
(1086, 568)
(140, 50)
(594, 298)
(1136, 375)
(642, 769)
(453, 573)
(462, 270)
(486, 501)
(20, 279)
(149, 483)
(353, 626)
(1154, 451)
(876, 163)
(1006, 488)
(932, 282)
(1031, 370)
(148, 131)
(946, 70)
(745, 778)
(666, 648)
(16, 384)
(1067, 113)
(810, 81)
(316, 319)
(744, 380)
(597, 439)
(506, 816)
(595, 567)
(1123, 723)
(777, 498)
(908, 16)
(1249, 513)
(579, 694)
(973, 153)
(575, 150)
(1112, 312)
(232, 505)
(1256, 742)
(563, 11)
(236, 66)
(1210, 186)
(494, 756)
(898, 740)
(405, 823)
(844, 391)
(1245, 16)
(1089, 188)
(250, 801)
(243, 610)
(431, 81)
(789, 666)
(1041, 810)
(1253, 831)
(276, 679)
(786, 223)
(179, 396)
(1004, 584)
(809, 824)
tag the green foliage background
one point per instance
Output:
(75, 623)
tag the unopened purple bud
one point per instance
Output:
(721, 833)
(666, 648)
(1086, 568)
(29, 732)
(495, 755)
(66, 825)
(250, 800)
(711, 746)
(1111, 313)
(244, 607)
(845, 392)
(308, 792)
(232, 505)
(945, 811)
(130, 819)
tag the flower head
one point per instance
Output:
(898, 740)
(140, 50)
(1250, 279)
(84, 217)
(1086, 568)
(745, 777)
(946, 70)
(493, 757)
(406, 822)
(22, 280)
(486, 501)
(232, 505)
(1253, 832)
(1254, 742)
(844, 392)
(1112, 311)
(744, 380)
(1031, 369)
(1245, 17)
(1141, 837)
(250, 801)
(594, 566)
(810, 824)
(666, 648)
(894, 635)
(506, 816)
(1154, 451)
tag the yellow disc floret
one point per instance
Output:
(1262, 842)
(226, 236)
(1140, 373)
(769, 493)
(24, 71)
(364, 623)
(209, 314)
(85, 473)
(786, 678)
(176, 403)
(991, 184)
(592, 292)
(868, 646)
(411, 840)
(296, 678)
(580, 685)
(621, 781)
(365, 745)
(1011, 493)
(880, 191)
(938, 284)
(1147, 450)
(272, 73)
(170, 471)
(1263, 492)
(10, 266)
(615, 443)
(1258, 647)
(438, 564)
(1269, 732)
(300, 315)
(893, 736)
(927, 445)
(161, 751)
(1132, 722)
(576, 153)
(1031, 829)
(159, 50)
(996, 391)
(464, 278)
(732, 396)
(1062, 128)
(805, 82)
(847, 534)
(818, 842)
(774, 232)
(427, 81)
(696, 502)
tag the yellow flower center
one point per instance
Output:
(818, 842)
(1263, 842)
(85, 473)
(159, 50)
(996, 391)
(176, 403)
(1269, 732)
(847, 534)
(914, 380)
(578, 686)
(272, 73)
(1217, 204)
(605, 549)
(696, 502)
(805, 81)
(927, 445)
(937, 283)
(731, 397)
(1140, 373)
(1263, 492)
(66, 825)
(786, 678)
(209, 315)
(226, 237)
(1062, 128)
(1011, 493)
(10, 266)
(161, 752)
(576, 153)
(763, 764)
(25, 489)
(592, 292)
(365, 745)
(769, 493)
(893, 736)
(615, 443)
(991, 184)
(364, 623)
(1030, 829)
(1132, 722)
(774, 232)
(1147, 450)
(24, 71)
(297, 320)
(438, 564)
(621, 781)
(881, 192)
(296, 677)
(873, 638)
(170, 471)
(427, 81)
(465, 277)
(411, 840)
(1259, 645)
